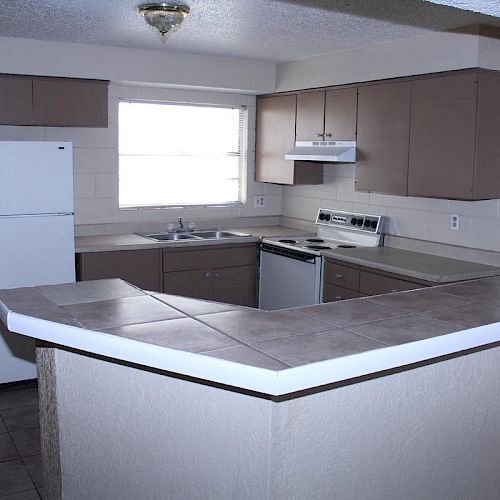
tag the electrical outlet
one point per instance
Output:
(454, 222)
(259, 201)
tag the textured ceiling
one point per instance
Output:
(272, 30)
(490, 7)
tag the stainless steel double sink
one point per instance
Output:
(196, 235)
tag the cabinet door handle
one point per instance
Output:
(394, 290)
(216, 275)
(338, 275)
(320, 135)
(328, 135)
(207, 274)
(338, 297)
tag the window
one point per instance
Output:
(176, 155)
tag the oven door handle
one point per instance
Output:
(288, 253)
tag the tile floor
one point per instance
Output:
(20, 461)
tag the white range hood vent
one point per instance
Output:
(323, 151)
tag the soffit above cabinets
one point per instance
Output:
(266, 30)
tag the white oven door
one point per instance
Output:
(288, 280)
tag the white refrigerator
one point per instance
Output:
(36, 233)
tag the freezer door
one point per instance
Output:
(36, 177)
(37, 250)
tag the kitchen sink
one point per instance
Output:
(216, 234)
(205, 235)
(170, 236)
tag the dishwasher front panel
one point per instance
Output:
(288, 282)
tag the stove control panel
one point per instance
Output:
(360, 222)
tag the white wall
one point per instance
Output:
(408, 56)
(431, 432)
(140, 66)
(96, 164)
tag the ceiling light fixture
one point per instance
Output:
(164, 17)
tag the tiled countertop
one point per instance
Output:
(272, 353)
(413, 264)
(106, 243)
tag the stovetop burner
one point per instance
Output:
(315, 240)
(318, 247)
(289, 242)
(346, 246)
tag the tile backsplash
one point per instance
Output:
(417, 218)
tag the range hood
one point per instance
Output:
(323, 151)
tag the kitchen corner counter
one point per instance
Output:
(111, 242)
(413, 264)
(273, 354)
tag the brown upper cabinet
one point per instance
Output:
(16, 96)
(454, 147)
(327, 115)
(275, 135)
(59, 102)
(383, 138)
(56, 102)
(433, 136)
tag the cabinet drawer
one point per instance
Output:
(377, 284)
(332, 293)
(344, 276)
(215, 257)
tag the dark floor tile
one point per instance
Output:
(34, 467)
(25, 495)
(14, 478)
(18, 397)
(247, 356)
(311, 348)
(7, 449)
(2, 426)
(41, 492)
(27, 442)
(17, 419)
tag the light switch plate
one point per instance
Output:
(259, 201)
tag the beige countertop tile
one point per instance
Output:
(107, 243)
(104, 316)
(412, 264)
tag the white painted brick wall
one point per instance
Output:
(96, 162)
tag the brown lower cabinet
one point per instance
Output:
(223, 273)
(348, 281)
(139, 267)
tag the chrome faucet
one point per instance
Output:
(180, 224)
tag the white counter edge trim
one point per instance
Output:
(247, 377)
